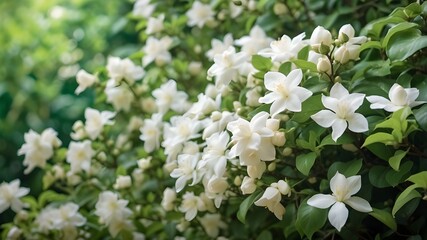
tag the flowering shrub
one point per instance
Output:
(311, 136)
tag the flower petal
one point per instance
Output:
(293, 103)
(338, 91)
(294, 78)
(338, 215)
(271, 78)
(359, 204)
(357, 123)
(338, 182)
(321, 201)
(330, 103)
(277, 107)
(378, 102)
(354, 184)
(338, 128)
(324, 118)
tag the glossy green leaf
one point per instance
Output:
(397, 157)
(310, 219)
(420, 179)
(396, 29)
(261, 63)
(394, 178)
(379, 137)
(385, 217)
(404, 44)
(421, 117)
(309, 107)
(407, 195)
(305, 162)
(305, 65)
(246, 204)
(348, 169)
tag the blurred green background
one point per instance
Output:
(42, 46)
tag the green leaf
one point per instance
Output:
(305, 65)
(380, 150)
(420, 179)
(303, 53)
(375, 28)
(305, 162)
(246, 204)
(310, 219)
(348, 169)
(394, 178)
(404, 44)
(309, 107)
(262, 108)
(421, 117)
(344, 139)
(50, 196)
(377, 176)
(285, 68)
(392, 123)
(407, 195)
(369, 45)
(265, 235)
(396, 29)
(380, 137)
(385, 217)
(261, 63)
(397, 157)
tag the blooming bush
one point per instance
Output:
(240, 136)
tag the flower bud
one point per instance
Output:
(324, 65)
(320, 36)
(14, 233)
(256, 171)
(273, 124)
(278, 139)
(287, 151)
(349, 147)
(237, 181)
(144, 163)
(346, 32)
(284, 188)
(195, 68)
(217, 185)
(169, 196)
(280, 8)
(252, 97)
(248, 185)
(271, 167)
(85, 80)
(123, 182)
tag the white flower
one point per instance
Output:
(324, 65)
(38, 148)
(248, 185)
(191, 205)
(252, 140)
(96, 120)
(151, 132)
(122, 182)
(14, 233)
(155, 25)
(123, 69)
(203, 107)
(144, 163)
(79, 155)
(348, 30)
(120, 96)
(169, 196)
(252, 97)
(214, 160)
(256, 41)
(342, 190)
(219, 47)
(343, 106)
(320, 36)
(284, 49)
(199, 14)
(168, 97)
(226, 66)
(157, 50)
(113, 212)
(186, 170)
(215, 189)
(67, 218)
(256, 170)
(10, 193)
(212, 223)
(285, 93)
(271, 199)
(85, 80)
(399, 98)
(347, 52)
(220, 121)
(143, 8)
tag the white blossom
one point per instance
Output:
(143, 8)
(320, 36)
(284, 49)
(169, 196)
(226, 66)
(123, 70)
(212, 224)
(122, 182)
(342, 190)
(185, 171)
(285, 93)
(155, 25)
(151, 132)
(120, 96)
(157, 50)
(79, 155)
(248, 185)
(218, 46)
(168, 97)
(399, 98)
(214, 158)
(215, 188)
(85, 80)
(253, 43)
(343, 115)
(10, 194)
(200, 14)
(38, 148)
(271, 199)
(191, 205)
(96, 120)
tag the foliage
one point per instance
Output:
(316, 135)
